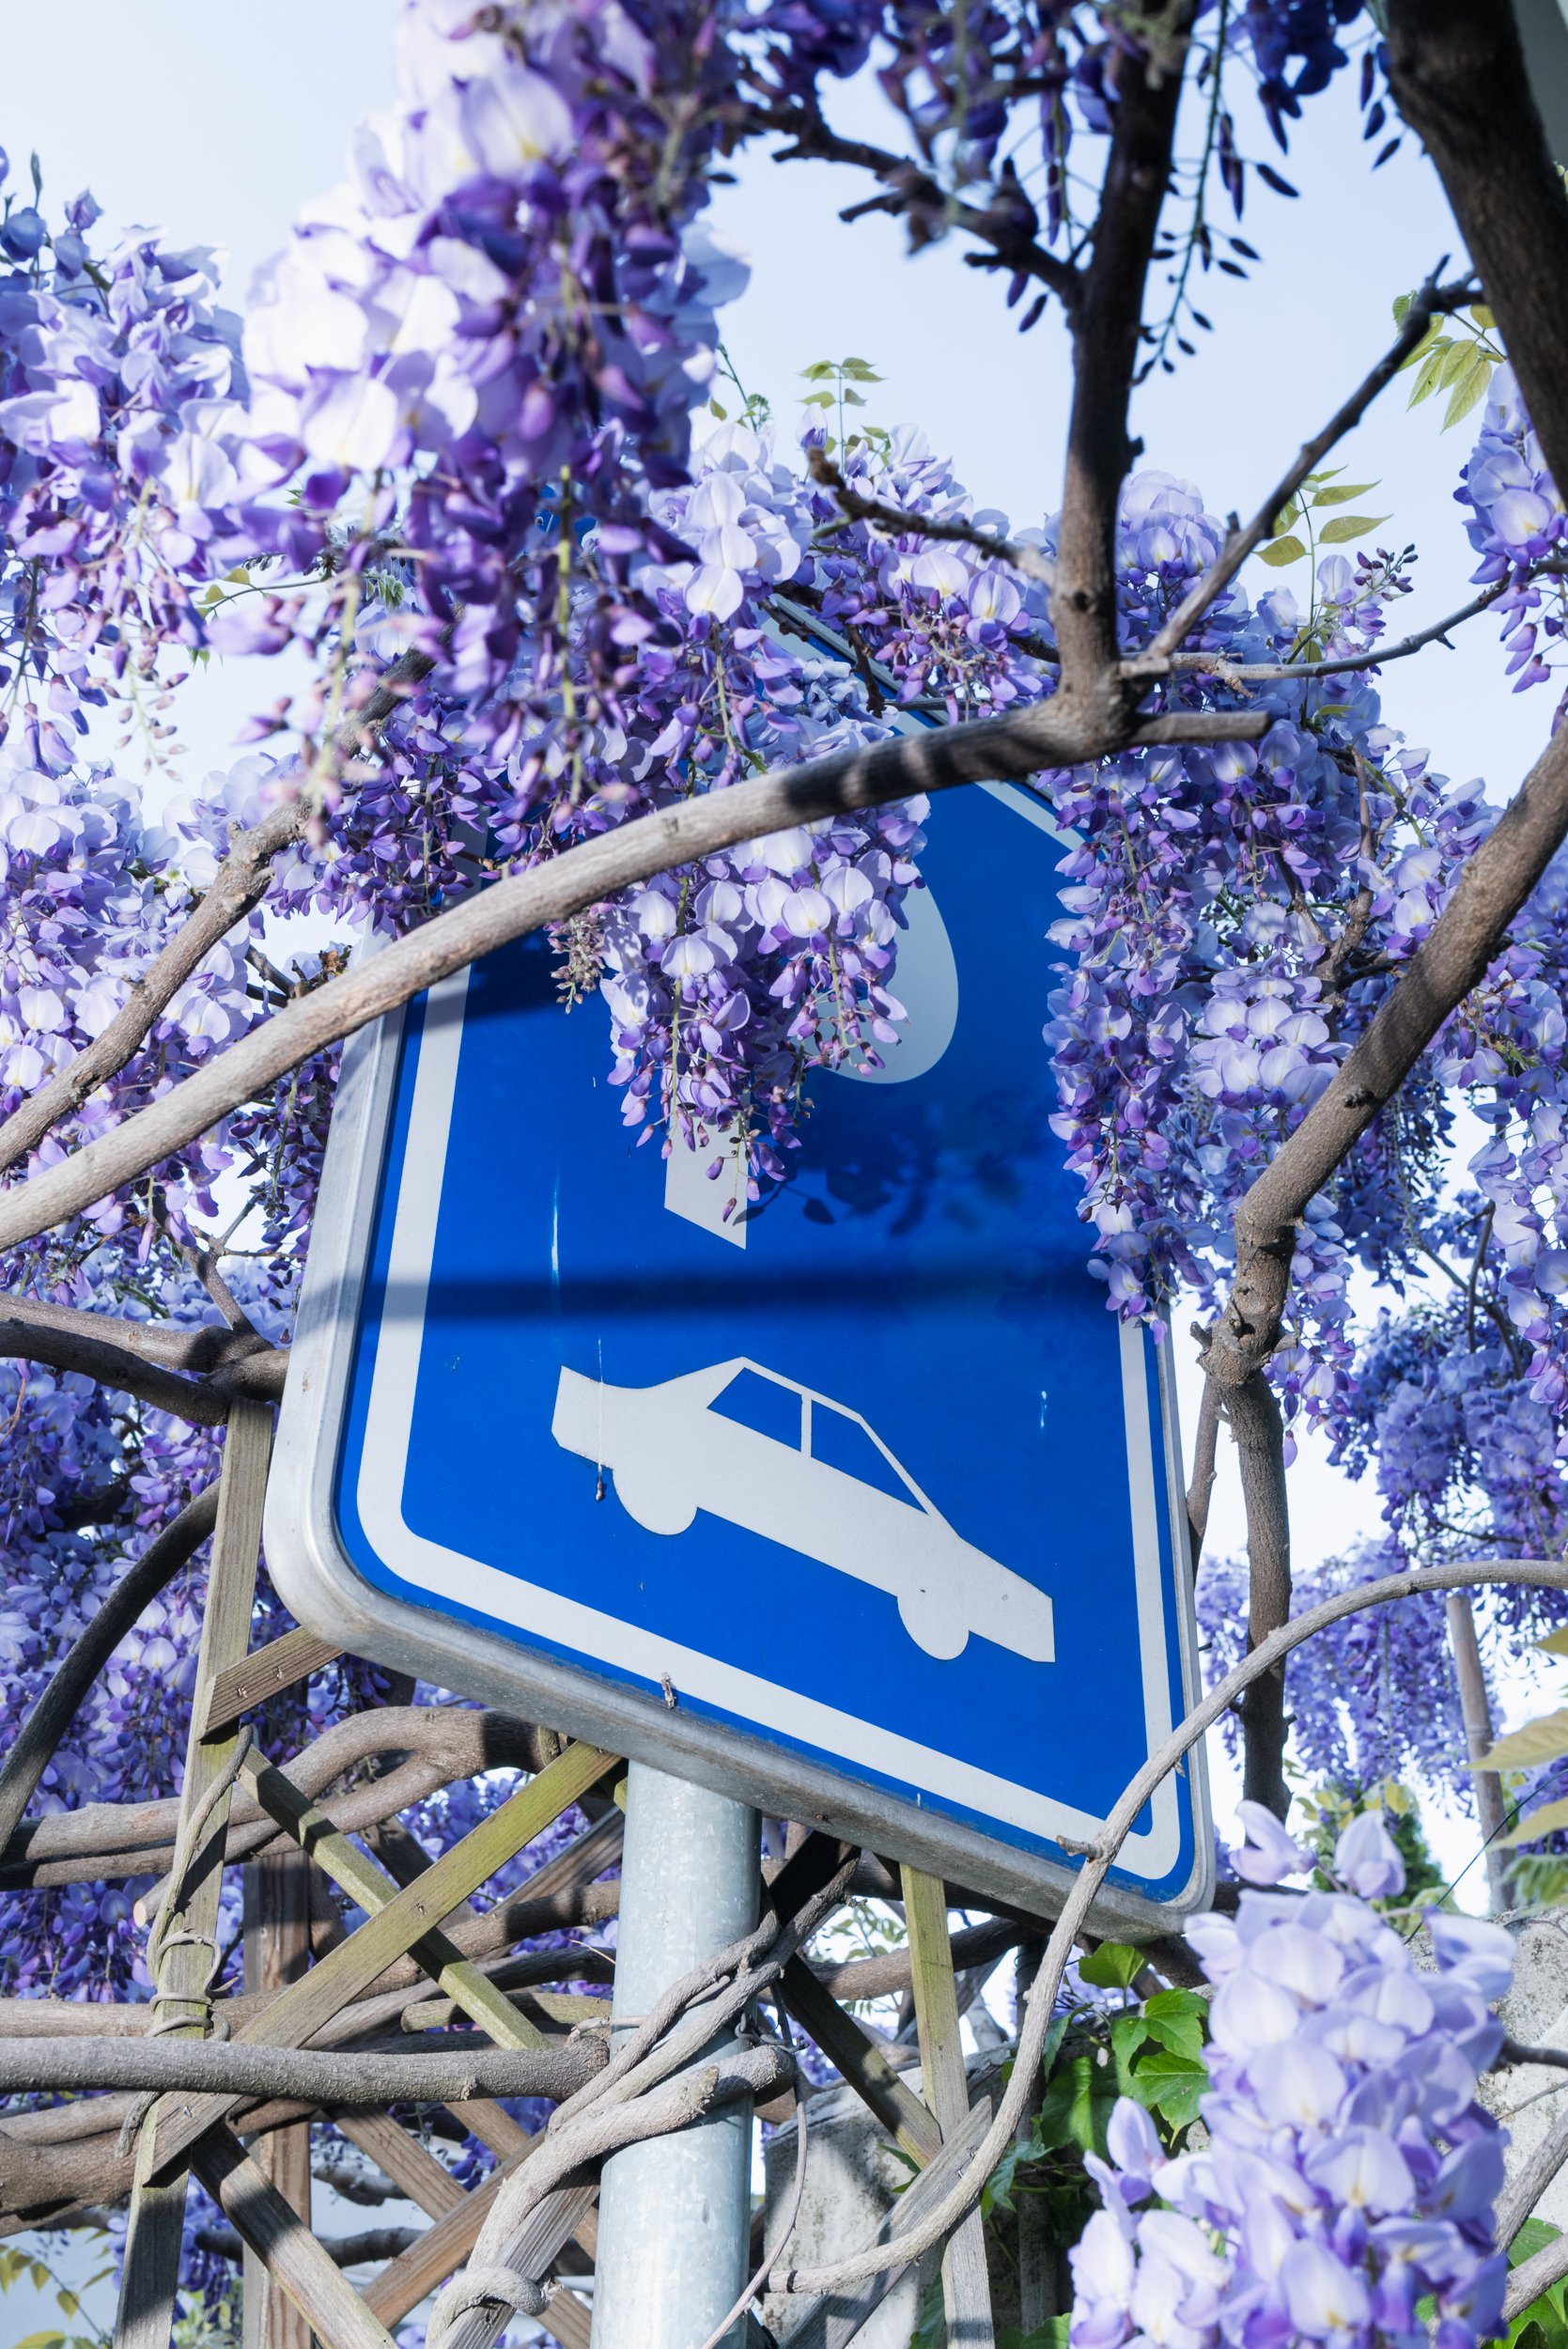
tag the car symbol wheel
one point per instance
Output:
(657, 1507)
(933, 1623)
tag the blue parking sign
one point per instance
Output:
(858, 1506)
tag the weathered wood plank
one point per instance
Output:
(293, 2259)
(277, 1951)
(185, 1934)
(966, 2285)
(264, 1673)
(412, 2168)
(346, 1971)
(371, 1885)
(860, 2061)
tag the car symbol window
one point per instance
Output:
(765, 1405)
(842, 1441)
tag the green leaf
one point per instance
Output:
(718, 412)
(1426, 381)
(1127, 2034)
(1555, 1643)
(67, 2302)
(1458, 359)
(1544, 1740)
(1286, 519)
(1076, 2107)
(1171, 2085)
(1113, 1965)
(53, 2339)
(1483, 316)
(931, 2329)
(1176, 2018)
(818, 372)
(1345, 526)
(1423, 348)
(1469, 389)
(1546, 1821)
(860, 371)
(1282, 550)
(853, 400)
(1533, 2236)
(1052, 2334)
(1342, 492)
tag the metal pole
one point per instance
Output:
(674, 2213)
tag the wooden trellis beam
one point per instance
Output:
(295, 2262)
(185, 1958)
(277, 1902)
(265, 1673)
(406, 1924)
(966, 2285)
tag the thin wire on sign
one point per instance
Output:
(792, 2211)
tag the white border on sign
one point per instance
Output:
(587, 1633)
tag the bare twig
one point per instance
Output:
(1433, 301)
(952, 527)
(366, 2250)
(1534, 2276)
(1525, 2189)
(1007, 229)
(1268, 673)
(36, 1741)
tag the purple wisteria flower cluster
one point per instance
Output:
(1350, 2172)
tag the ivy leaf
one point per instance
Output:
(1112, 1966)
(1345, 526)
(1282, 550)
(1171, 2085)
(1076, 2107)
(1176, 2018)
(1127, 2034)
(1544, 1740)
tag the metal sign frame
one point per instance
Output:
(326, 1591)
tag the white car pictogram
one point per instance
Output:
(672, 1453)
